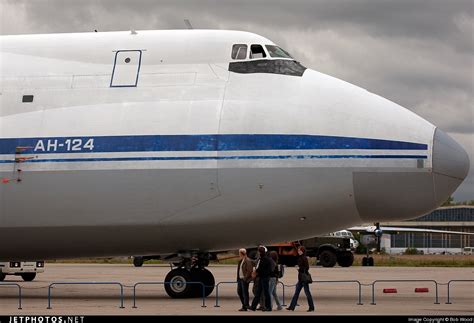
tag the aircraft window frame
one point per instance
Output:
(274, 53)
(263, 52)
(235, 55)
(270, 66)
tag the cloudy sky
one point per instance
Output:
(419, 54)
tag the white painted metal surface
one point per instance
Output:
(173, 151)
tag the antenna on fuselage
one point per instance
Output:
(188, 24)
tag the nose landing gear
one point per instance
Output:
(184, 281)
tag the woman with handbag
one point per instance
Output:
(304, 279)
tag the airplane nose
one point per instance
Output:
(393, 196)
(450, 165)
(449, 158)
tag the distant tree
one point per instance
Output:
(449, 202)
(412, 251)
(471, 202)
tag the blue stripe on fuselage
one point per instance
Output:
(123, 159)
(144, 143)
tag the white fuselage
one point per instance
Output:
(146, 143)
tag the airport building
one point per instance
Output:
(452, 218)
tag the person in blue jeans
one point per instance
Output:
(303, 267)
(274, 281)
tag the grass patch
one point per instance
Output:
(419, 260)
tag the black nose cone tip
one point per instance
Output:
(449, 158)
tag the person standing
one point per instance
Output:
(256, 279)
(244, 277)
(274, 281)
(303, 273)
(264, 270)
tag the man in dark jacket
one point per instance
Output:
(264, 269)
(244, 277)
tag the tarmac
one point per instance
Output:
(329, 298)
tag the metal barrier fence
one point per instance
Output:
(284, 286)
(403, 280)
(217, 291)
(168, 283)
(19, 291)
(203, 296)
(84, 283)
(283, 291)
(345, 281)
(331, 281)
(456, 280)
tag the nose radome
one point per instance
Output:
(393, 196)
(449, 158)
(450, 165)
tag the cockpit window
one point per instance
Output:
(276, 51)
(271, 66)
(257, 51)
(239, 51)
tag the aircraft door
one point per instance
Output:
(126, 68)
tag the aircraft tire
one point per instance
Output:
(138, 261)
(364, 261)
(327, 258)
(175, 284)
(370, 261)
(204, 276)
(28, 276)
(2, 277)
(345, 259)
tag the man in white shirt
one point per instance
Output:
(244, 277)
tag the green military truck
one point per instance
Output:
(327, 249)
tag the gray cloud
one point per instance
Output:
(417, 53)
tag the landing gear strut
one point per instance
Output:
(183, 282)
(369, 261)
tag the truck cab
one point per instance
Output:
(26, 269)
(346, 234)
